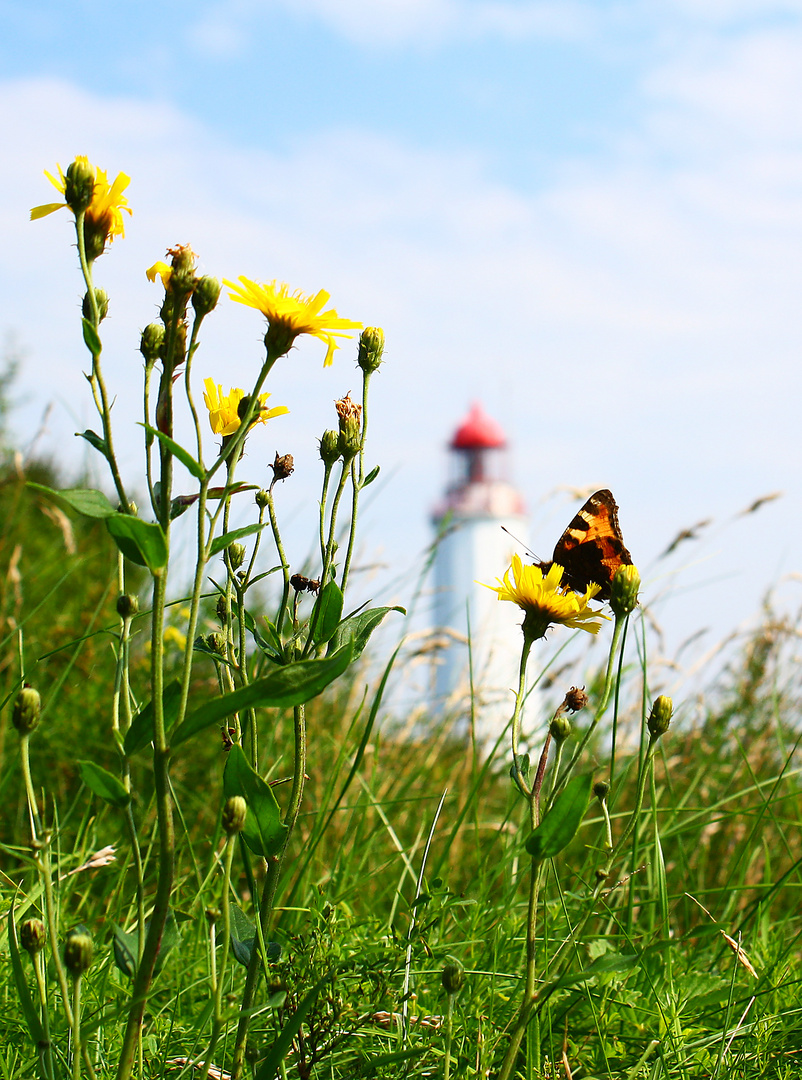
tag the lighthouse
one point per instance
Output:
(481, 636)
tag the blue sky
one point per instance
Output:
(589, 216)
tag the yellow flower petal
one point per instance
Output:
(223, 416)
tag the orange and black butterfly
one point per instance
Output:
(592, 547)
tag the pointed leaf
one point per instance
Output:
(358, 628)
(561, 822)
(184, 456)
(284, 688)
(263, 833)
(374, 472)
(92, 504)
(140, 733)
(94, 440)
(140, 541)
(221, 542)
(327, 613)
(91, 339)
(105, 784)
(125, 948)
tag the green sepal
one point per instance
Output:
(561, 822)
(104, 784)
(284, 688)
(264, 832)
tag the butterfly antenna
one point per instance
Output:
(526, 547)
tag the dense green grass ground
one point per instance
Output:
(365, 910)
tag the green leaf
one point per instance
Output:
(91, 339)
(125, 948)
(95, 440)
(524, 766)
(92, 504)
(327, 613)
(561, 823)
(30, 1013)
(221, 542)
(358, 628)
(184, 456)
(105, 784)
(140, 541)
(278, 1051)
(263, 833)
(374, 472)
(243, 937)
(284, 688)
(140, 733)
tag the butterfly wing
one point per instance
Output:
(592, 547)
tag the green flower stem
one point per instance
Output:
(232, 450)
(285, 566)
(76, 1028)
(449, 1035)
(357, 479)
(218, 977)
(96, 379)
(46, 1047)
(516, 720)
(271, 883)
(192, 348)
(149, 438)
(327, 467)
(562, 779)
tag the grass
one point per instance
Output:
(382, 892)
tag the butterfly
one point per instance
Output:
(592, 547)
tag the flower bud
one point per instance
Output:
(206, 295)
(560, 728)
(624, 590)
(329, 447)
(660, 716)
(151, 343)
(453, 977)
(182, 263)
(101, 302)
(78, 952)
(601, 789)
(234, 813)
(223, 610)
(127, 606)
(28, 705)
(262, 498)
(79, 185)
(371, 347)
(216, 643)
(32, 936)
(236, 555)
(349, 414)
(282, 467)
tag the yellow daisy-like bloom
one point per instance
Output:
(104, 214)
(291, 314)
(223, 415)
(546, 601)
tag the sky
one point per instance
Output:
(587, 216)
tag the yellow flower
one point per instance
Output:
(162, 270)
(223, 415)
(545, 601)
(291, 314)
(103, 212)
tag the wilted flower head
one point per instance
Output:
(291, 314)
(545, 601)
(223, 408)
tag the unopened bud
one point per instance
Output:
(28, 705)
(329, 447)
(601, 789)
(660, 716)
(206, 295)
(182, 279)
(101, 303)
(151, 343)
(78, 952)
(234, 813)
(283, 466)
(216, 643)
(32, 936)
(560, 728)
(262, 499)
(453, 977)
(223, 610)
(127, 606)
(624, 590)
(371, 347)
(79, 185)
(236, 555)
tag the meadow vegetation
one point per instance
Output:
(302, 883)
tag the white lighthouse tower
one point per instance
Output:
(472, 548)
